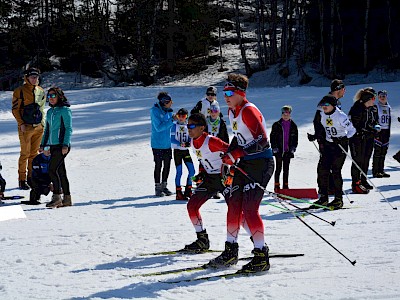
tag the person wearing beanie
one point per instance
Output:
(250, 156)
(338, 90)
(338, 129)
(364, 116)
(57, 136)
(203, 106)
(28, 103)
(161, 123)
(381, 141)
(284, 140)
(216, 126)
(180, 142)
(319, 134)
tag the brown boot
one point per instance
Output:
(55, 202)
(276, 187)
(67, 201)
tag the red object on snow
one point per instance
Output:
(299, 193)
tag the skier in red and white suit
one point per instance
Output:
(208, 149)
(251, 151)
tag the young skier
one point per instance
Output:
(41, 182)
(251, 150)
(203, 106)
(208, 149)
(338, 129)
(284, 140)
(216, 126)
(381, 141)
(180, 142)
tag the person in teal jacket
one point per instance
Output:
(161, 123)
(57, 135)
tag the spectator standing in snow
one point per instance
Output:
(57, 135)
(284, 139)
(162, 121)
(28, 103)
(2, 184)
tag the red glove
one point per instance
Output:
(228, 159)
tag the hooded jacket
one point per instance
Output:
(161, 123)
(29, 94)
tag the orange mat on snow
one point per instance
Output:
(299, 193)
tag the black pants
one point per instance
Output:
(285, 162)
(2, 184)
(361, 152)
(39, 186)
(331, 163)
(162, 156)
(57, 171)
(381, 145)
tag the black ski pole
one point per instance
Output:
(352, 262)
(312, 229)
(276, 196)
(365, 175)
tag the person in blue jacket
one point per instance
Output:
(161, 122)
(41, 182)
(57, 135)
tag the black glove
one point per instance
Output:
(311, 137)
(339, 139)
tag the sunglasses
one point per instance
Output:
(193, 126)
(51, 96)
(229, 93)
(211, 94)
(382, 95)
(182, 116)
(285, 112)
(214, 110)
(325, 104)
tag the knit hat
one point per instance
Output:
(182, 111)
(328, 99)
(32, 72)
(286, 108)
(383, 93)
(211, 90)
(214, 106)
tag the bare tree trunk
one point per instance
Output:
(239, 36)
(341, 52)
(170, 38)
(284, 29)
(332, 55)
(260, 51)
(389, 26)
(321, 31)
(273, 28)
(263, 36)
(366, 36)
(221, 68)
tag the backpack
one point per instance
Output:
(31, 113)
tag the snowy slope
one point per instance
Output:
(86, 251)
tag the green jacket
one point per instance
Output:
(58, 127)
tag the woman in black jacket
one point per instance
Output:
(284, 140)
(364, 116)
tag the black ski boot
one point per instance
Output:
(337, 203)
(323, 200)
(34, 198)
(200, 245)
(227, 258)
(259, 263)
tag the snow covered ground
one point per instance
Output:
(87, 251)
